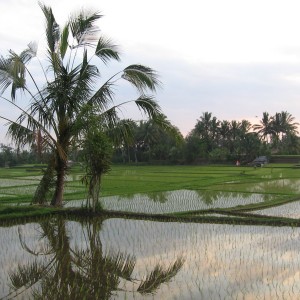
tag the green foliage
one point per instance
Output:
(210, 137)
(151, 140)
(219, 155)
(97, 153)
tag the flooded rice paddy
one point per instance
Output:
(289, 210)
(118, 258)
(174, 201)
(137, 259)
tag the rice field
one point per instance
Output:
(213, 261)
(177, 201)
(113, 257)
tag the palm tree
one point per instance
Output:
(157, 139)
(288, 126)
(264, 128)
(207, 126)
(60, 108)
(245, 126)
(223, 131)
(277, 127)
(207, 129)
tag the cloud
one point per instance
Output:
(234, 59)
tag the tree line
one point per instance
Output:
(211, 140)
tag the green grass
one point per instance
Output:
(127, 180)
(282, 180)
(24, 212)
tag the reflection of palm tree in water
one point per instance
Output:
(86, 273)
(208, 197)
(161, 197)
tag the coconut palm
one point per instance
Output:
(223, 132)
(60, 107)
(288, 126)
(264, 128)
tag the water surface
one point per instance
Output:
(208, 261)
(180, 200)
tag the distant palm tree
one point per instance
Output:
(287, 123)
(234, 130)
(265, 127)
(60, 108)
(207, 126)
(245, 126)
(224, 129)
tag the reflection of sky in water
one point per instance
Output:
(7, 182)
(12, 253)
(181, 200)
(221, 261)
(289, 210)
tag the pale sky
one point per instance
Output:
(234, 58)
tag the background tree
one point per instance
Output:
(276, 129)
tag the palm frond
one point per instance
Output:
(158, 276)
(84, 80)
(20, 135)
(103, 97)
(110, 117)
(5, 73)
(105, 50)
(83, 27)
(141, 77)
(149, 106)
(26, 276)
(31, 126)
(13, 70)
(63, 46)
(29, 53)
(56, 64)
(122, 132)
(161, 121)
(119, 264)
(52, 28)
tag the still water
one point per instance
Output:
(179, 200)
(138, 259)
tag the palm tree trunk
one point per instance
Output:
(94, 192)
(45, 185)
(61, 167)
(135, 155)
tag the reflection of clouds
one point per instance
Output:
(12, 253)
(221, 261)
(289, 210)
